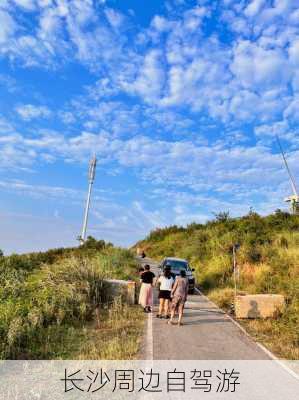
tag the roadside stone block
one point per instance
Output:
(125, 289)
(131, 293)
(259, 306)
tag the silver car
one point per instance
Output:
(176, 265)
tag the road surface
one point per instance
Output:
(207, 334)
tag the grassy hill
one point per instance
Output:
(48, 302)
(268, 260)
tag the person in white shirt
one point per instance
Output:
(165, 283)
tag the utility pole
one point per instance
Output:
(91, 176)
(235, 248)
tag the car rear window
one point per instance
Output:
(176, 266)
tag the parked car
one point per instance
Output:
(176, 265)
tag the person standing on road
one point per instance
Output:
(179, 295)
(146, 290)
(166, 282)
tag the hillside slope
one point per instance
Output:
(268, 261)
(48, 302)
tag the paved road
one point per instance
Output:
(207, 334)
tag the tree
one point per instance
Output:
(222, 216)
(92, 243)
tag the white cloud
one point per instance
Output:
(4, 4)
(30, 111)
(50, 24)
(5, 127)
(255, 67)
(31, 51)
(108, 220)
(295, 82)
(160, 23)
(7, 26)
(39, 191)
(183, 164)
(292, 110)
(61, 30)
(294, 52)
(254, 7)
(193, 18)
(278, 128)
(26, 4)
(191, 79)
(45, 3)
(248, 79)
(178, 175)
(115, 18)
(294, 17)
(67, 117)
(150, 79)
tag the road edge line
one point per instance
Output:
(235, 322)
(262, 347)
(279, 361)
(149, 350)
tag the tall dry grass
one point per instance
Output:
(42, 312)
(268, 262)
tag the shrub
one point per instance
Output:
(224, 298)
(267, 259)
(63, 293)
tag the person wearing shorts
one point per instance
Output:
(165, 283)
(179, 294)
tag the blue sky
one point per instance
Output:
(180, 100)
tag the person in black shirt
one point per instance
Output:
(146, 290)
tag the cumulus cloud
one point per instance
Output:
(115, 18)
(40, 191)
(181, 164)
(182, 64)
(161, 23)
(255, 67)
(30, 111)
(26, 4)
(292, 110)
(196, 87)
(175, 173)
(7, 26)
(62, 29)
(150, 78)
(294, 52)
(254, 7)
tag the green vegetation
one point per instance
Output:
(268, 261)
(48, 302)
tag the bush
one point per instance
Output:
(224, 298)
(267, 260)
(64, 293)
(216, 273)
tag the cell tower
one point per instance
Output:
(294, 198)
(91, 176)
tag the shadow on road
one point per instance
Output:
(206, 321)
(199, 313)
